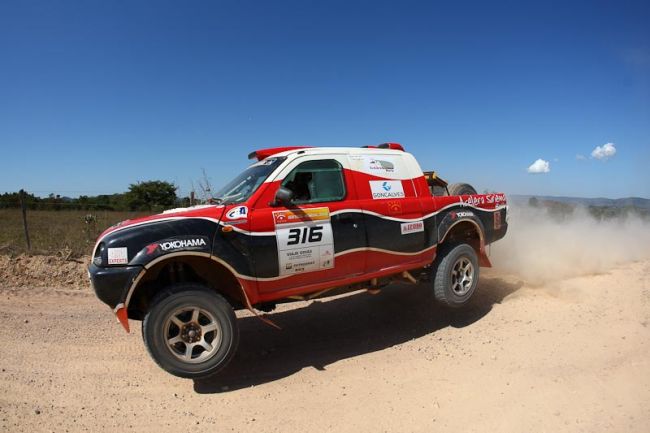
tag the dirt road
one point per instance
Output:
(573, 355)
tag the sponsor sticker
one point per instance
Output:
(380, 165)
(495, 198)
(497, 220)
(301, 215)
(412, 227)
(473, 200)
(305, 241)
(394, 206)
(463, 214)
(118, 256)
(237, 213)
(177, 244)
(384, 189)
(234, 223)
(187, 243)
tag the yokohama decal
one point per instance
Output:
(304, 239)
(181, 244)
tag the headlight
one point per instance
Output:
(97, 260)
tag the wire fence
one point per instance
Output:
(54, 228)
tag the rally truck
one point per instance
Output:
(298, 224)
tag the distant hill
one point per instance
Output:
(636, 202)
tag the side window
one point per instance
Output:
(316, 181)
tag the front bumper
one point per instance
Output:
(111, 284)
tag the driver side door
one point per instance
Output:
(308, 240)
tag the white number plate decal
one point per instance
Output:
(118, 256)
(305, 241)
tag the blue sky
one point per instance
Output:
(95, 95)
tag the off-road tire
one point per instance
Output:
(447, 288)
(179, 302)
(461, 189)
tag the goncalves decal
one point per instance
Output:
(386, 189)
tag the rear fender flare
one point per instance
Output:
(447, 226)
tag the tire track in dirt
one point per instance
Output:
(571, 356)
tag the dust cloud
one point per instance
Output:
(542, 246)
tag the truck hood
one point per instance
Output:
(200, 211)
(137, 230)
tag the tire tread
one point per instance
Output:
(192, 287)
(443, 261)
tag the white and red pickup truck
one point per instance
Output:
(297, 224)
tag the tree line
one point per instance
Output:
(560, 210)
(153, 195)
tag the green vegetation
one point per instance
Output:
(68, 232)
(154, 195)
(71, 225)
(150, 195)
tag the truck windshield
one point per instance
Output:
(243, 186)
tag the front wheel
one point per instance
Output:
(190, 331)
(455, 274)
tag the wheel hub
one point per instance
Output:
(462, 276)
(191, 332)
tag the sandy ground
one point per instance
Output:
(573, 355)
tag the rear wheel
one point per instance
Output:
(455, 274)
(461, 189)
(190, 331)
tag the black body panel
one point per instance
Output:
(264, 251)
(144, 243)
(257, 256)
(110, 283)
(138, 237)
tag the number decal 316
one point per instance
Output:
(305, 235)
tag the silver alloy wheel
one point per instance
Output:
(192, 334)
(462, 276)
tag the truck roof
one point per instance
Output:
(386, 148)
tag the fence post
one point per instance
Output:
(23, 207)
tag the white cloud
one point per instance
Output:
(604, 152)
(581, 157)
(539, 166)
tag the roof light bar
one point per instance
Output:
(265, 153)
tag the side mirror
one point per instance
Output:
(283, 197)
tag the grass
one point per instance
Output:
(53, 232)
